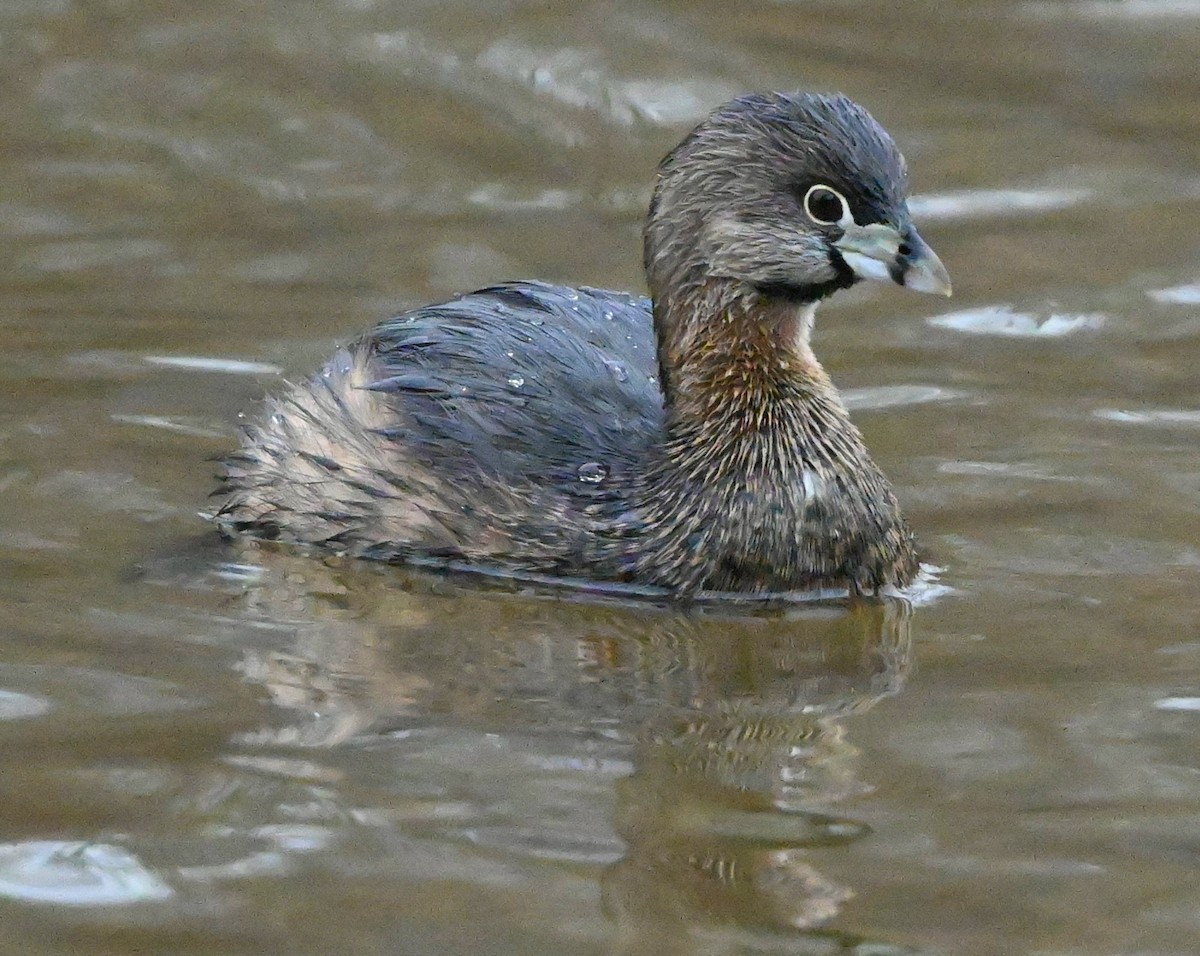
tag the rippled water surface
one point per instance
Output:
(216, 751)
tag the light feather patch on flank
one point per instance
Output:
(316, 461)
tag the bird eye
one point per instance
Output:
(826, 206)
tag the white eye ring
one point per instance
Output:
(822, 192)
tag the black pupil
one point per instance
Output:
(824, 205)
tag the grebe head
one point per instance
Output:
(793, 196)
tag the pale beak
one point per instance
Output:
(879, 251)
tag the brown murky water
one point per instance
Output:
(206, 751)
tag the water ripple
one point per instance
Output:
(580, 78)
(22, 220)
(201, 363)
(1184, 704)
(1004, 321)
(76, 874)
(1188, 294)
(96, 254)
(14, 706)
(969, 203)
(1119, 9)
(888, 396)
(86, 690)
(1150, 416)
(1002, 469)
(177, 425)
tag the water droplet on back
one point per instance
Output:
(617, 370)
(592, 472)
(516, 381)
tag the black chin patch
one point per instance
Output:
(806, 294)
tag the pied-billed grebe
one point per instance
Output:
(529, 427)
